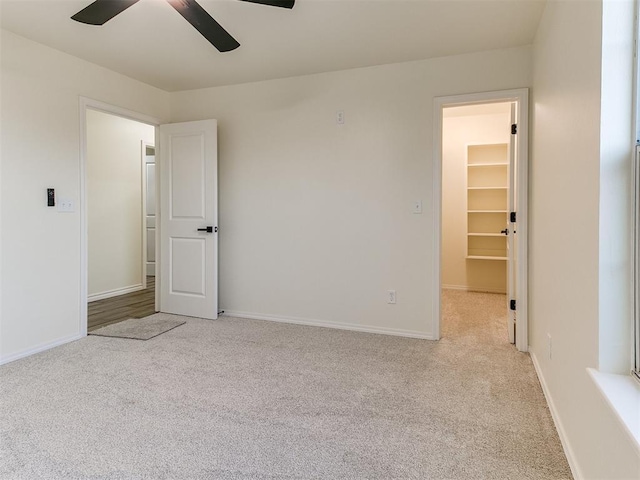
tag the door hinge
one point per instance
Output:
(512, 217)
(514, 128)
(512, 305)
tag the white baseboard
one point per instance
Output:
(568, 451)
(329, 324)
(114, 293)
(466, 288)
(40, 348)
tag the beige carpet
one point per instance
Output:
(243, 399)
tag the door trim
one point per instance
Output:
(521, 96)
(84, 105)
(143, 161)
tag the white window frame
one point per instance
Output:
(636, 189)
(636, 273)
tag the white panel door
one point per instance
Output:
(511, 231)
(188, 219)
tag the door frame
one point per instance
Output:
(521, 96)
(91, 104)
(143, 160)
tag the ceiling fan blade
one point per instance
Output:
(205, 24)
(274, 3)
(101, 11)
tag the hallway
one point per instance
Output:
(123, 307)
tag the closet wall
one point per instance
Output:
(464, 127)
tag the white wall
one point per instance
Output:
(40, 145)
(114, 201)
(458, 132)
(565, 239)
(316, 218)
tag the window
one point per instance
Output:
(636, 332)
(636, 274)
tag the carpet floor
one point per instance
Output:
(245, 399)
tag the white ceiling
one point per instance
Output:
(151, 42)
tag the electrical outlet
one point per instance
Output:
(549, 345)
(340, 117)
(391, 296)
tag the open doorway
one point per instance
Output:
(186, 207)
(481, 187)
(475, 209)
(120, 218)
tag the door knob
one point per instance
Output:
(505, 231)
(207, 229)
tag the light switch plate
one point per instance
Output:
(417, 206)
(65, 205)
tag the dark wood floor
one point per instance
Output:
(123, 307)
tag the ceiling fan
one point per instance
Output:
(101, 11)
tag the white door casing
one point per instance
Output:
(149, 197)
(188, 201)
(520, 240)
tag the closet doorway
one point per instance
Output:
(482, 224)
